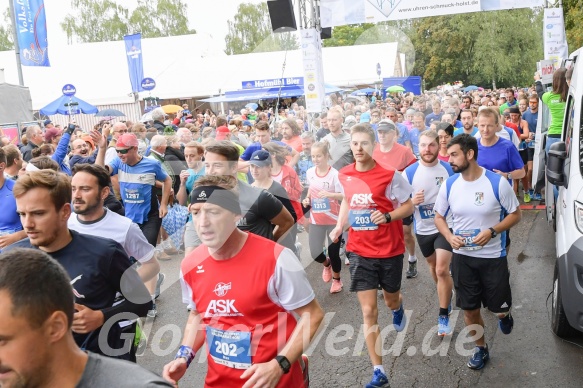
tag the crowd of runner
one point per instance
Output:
(370, 180)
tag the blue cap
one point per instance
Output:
(47, 122)
(365, 117)
(247, 123)
(260, 158)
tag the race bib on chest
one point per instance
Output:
(360, 219)
(468, 235)
(133, 196)
(320, 205)
(426, 211)
(229, 348)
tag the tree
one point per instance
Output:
(573, 11)
(105, 20)
(6, 42)
(250, 31)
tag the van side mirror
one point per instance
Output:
(555, 164)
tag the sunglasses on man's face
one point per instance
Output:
(123, 152)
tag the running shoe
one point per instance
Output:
(479, 358)
(159, 282)
(531, 193)
(506, 324)
(379, 380)
(399, 319)
(153, 311)
(537, 197)
(336, 286)
(327, 272)
(412, 271)
(526, 198)
(443, 327)
(346, 261)
(301, 228)
(306, 370)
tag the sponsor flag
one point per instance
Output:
(31, 30)
(133, 45)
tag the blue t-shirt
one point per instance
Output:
(194, 176)
(414, 138)
(246, 156)
(403, 134)
(502, 156)
(9, 219)
(532, 120)
(458, 124)
(303, 165)
(461, 130)
(136, 186)
(433, 117)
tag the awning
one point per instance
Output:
(264, 94)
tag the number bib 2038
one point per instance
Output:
(426, 211)
(468, 236)
(360, 220)
(320, 205)
(229, 348)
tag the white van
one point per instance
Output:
(564, 169)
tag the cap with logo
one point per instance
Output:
(260, 158)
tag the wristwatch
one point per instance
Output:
(493, 233)
(387, 217)
(284, 363)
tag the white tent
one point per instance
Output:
(187, 66)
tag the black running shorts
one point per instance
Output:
(408, 220)
(481, 282)
(367, 274)
(429, 243)
(524, 155)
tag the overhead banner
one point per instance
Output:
(555, 40)
(31, 31)
(342, 12)
(133, 44)
(313, 70)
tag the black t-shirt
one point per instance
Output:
(279, 192)
(258, 207)
(321, 133)
(103, 372)
(96, 266)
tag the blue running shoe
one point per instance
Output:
(537, 197)
(506, 324)
(399, 319)
(443, 328)
(379, 380)
(479, 358)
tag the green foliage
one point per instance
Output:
(6, 42)
(105, 20)
(573, 10)
(250, 31)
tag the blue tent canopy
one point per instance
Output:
(266, 93)
(58, 106)
(364, 92)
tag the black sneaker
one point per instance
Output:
(159, 282)
(506, 324)
(412, 271)
(479, 358)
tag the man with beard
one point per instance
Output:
(477, 235)
(426, 177)
(99, 267)
(90, 187)
(467, 119)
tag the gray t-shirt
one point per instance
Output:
(340, 151)
(104, 372)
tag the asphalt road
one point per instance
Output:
(530, 356)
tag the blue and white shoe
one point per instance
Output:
(479, 358)
(506, 324)
(443, 327)
(399, 319)
(379, 380)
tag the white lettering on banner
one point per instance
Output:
(269, 83)
(222, 308)
(361, 199)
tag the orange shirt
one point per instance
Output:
(398, 158)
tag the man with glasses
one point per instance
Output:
(118, 129)
(138, 177)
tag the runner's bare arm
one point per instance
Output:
(166, 188)
(342, 221)
(441, 223)
(268, 374)
(102, 144)
(283, 222)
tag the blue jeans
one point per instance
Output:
(551, 141)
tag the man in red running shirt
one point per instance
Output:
(243, 319)
(375, 202)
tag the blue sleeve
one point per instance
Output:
(114, 164)
(404, 133)
(249, 151)
(62, 147)
(514, 159)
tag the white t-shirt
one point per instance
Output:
(317, 183)
(110, 154)
(117, 228)
(428, 179)
(476, 206)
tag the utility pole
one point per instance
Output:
(16, 45)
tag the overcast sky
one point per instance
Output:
(205, 16)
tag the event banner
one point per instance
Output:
(341, 12)
(11, 131)
(555, 40)
(133, 44)
(31, 30)
(313, 70)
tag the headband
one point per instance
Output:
(217, 196)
